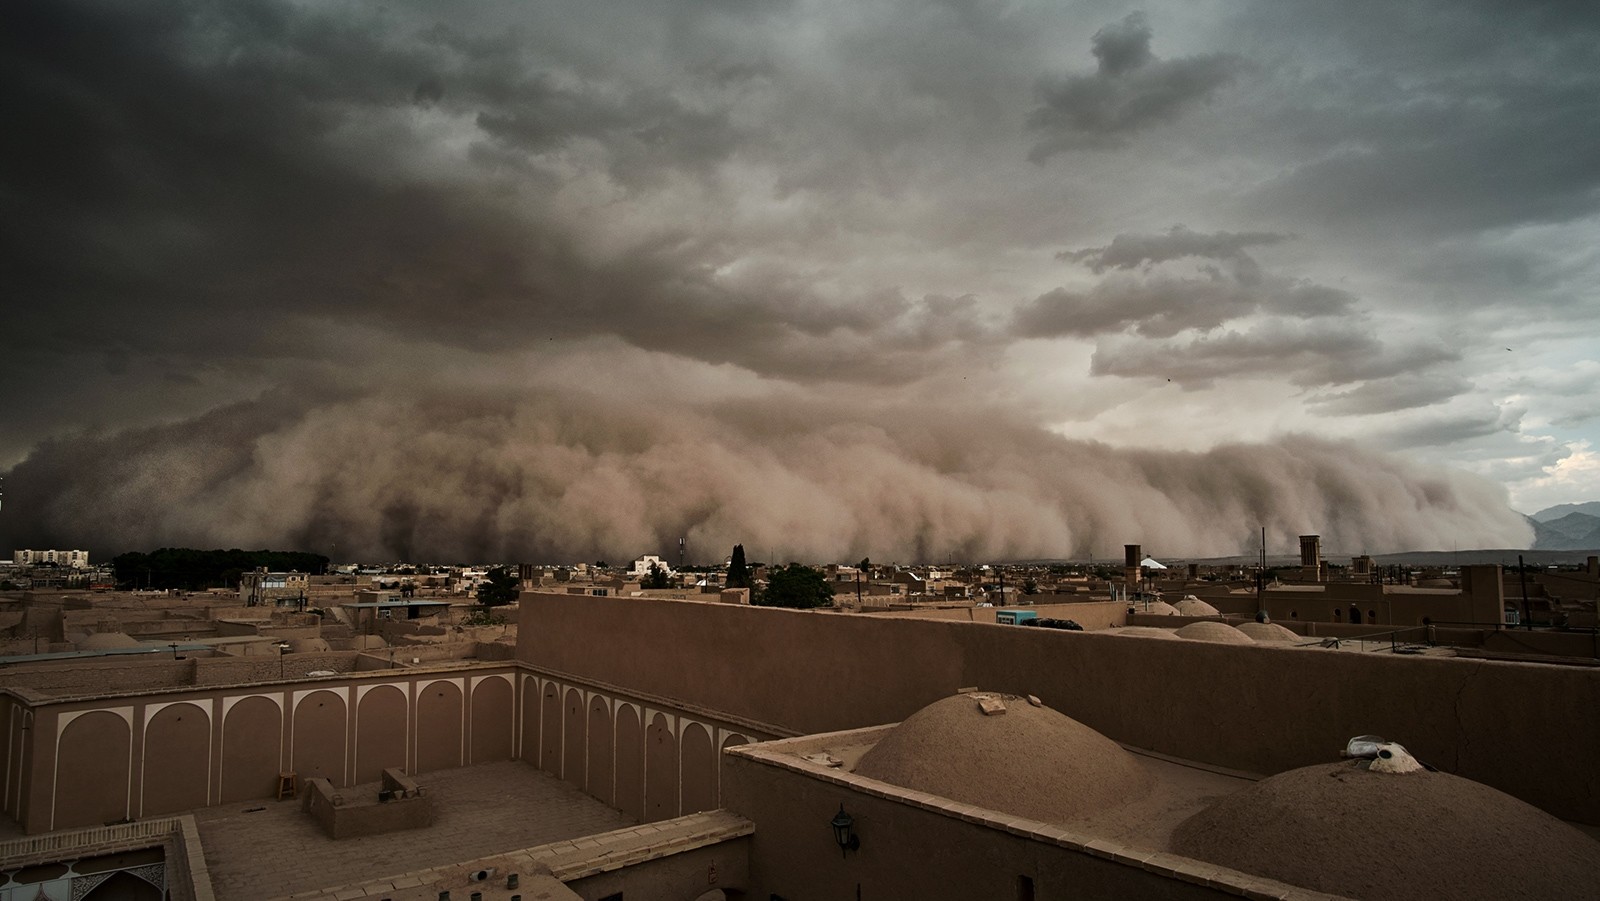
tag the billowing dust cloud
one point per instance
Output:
(555, 477)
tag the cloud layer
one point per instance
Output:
(252, 243)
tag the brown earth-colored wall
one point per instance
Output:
(1091, 615)
(382, 715)
(341, 818)
(91, 778)
(87, 762)
(175, 776)
(909, 852)
(87, 676)
(682, 876)
(79, 676)
(493, 733)
(268, 667)
(650, 759)
(1253, 708)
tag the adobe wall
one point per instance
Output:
(269, 668)
(908, 851)
(650, 757)
(84, 675)
(97, 760)
(1091, 615)
(683, 875)
(340, 816)
(1254, 708)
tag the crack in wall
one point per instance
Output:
(1461, 743)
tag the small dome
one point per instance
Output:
(1143, 632)
(1029, 761)
(1267, 632)
(1343, 829)
(1221, 633)
(106, 641)
(368, 643)
(307, 645)
(1193, 606)
(1158, 608)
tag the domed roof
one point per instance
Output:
(1221, 633)
(307, 645)
(1143, 631)
(367, 643)
(1029, 761)
(1267, 632)
(1344, 829)
(1159, 608)
(1193, 606)
(106, 641)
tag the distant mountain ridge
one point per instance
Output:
(1590, 508)
(1567, 527)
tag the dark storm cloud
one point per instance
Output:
(208, 167)
(1130, 251)
(1158, 303)
(1403, 392)
(1434, 117)
(1130, 91)
(1449, 428)
(563, 278)
(1306, 354)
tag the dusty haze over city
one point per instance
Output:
(902, 279)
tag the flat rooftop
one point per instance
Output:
(268, 849)
(1180, 788)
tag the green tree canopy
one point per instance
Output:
(655, 578)
(194, 570)
(738, 571)
(796, 586)
(500, 588)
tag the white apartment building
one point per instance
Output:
(71, 559)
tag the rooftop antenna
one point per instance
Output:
(680, 553)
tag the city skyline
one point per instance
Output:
(996, 280)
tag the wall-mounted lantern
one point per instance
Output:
(844, 832)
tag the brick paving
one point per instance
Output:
(479, 811)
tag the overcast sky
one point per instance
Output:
(572, 278)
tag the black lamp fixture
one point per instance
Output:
(844, 832)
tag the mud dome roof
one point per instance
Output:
(1342, 829)
(106, 641)
(1221, 633)
(1143, 631)
(1267, 632)
(1158, 608)
(1030, 761)
(1193, 606)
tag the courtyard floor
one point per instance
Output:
(266, 849)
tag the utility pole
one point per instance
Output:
(1522, 576)
(1261, 573)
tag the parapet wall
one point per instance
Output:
(1522, 728)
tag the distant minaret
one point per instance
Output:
(680, 553)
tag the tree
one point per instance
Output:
(501, 587)
(1029, 586)
(738, 572)
(796, 586)
(655, 578)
